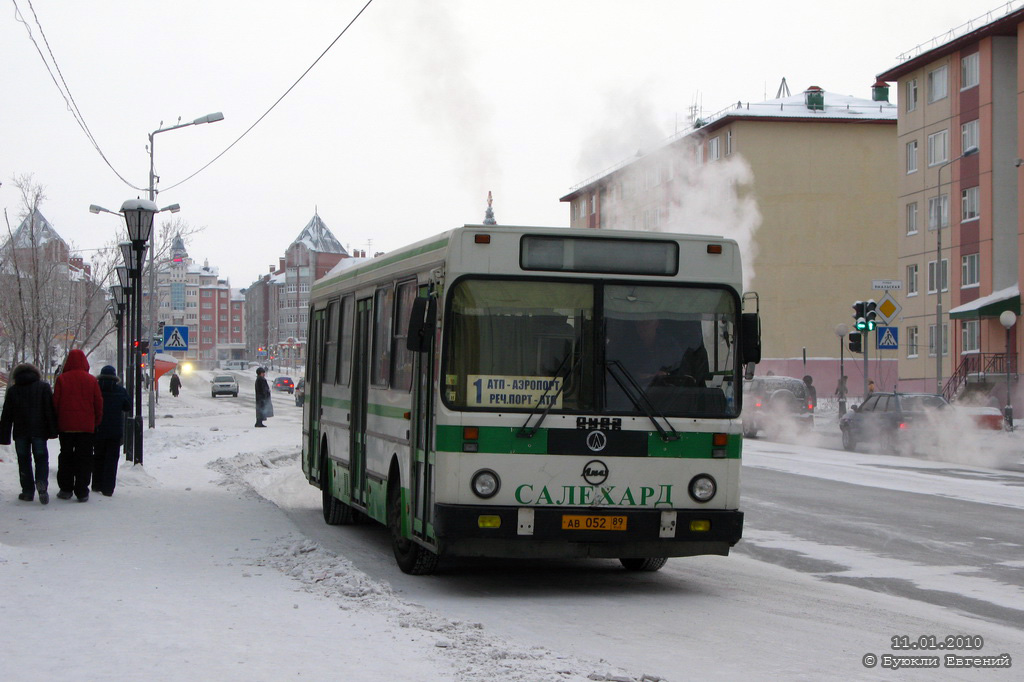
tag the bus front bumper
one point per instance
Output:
(570, 532)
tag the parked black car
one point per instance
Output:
(775, 404)
(897, 421)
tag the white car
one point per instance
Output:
(223, 384)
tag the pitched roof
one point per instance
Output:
(317, 237)
(44, 232)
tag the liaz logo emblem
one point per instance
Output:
(595, 472)
(596, 440)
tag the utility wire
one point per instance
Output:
(272, 106)
(62, 87)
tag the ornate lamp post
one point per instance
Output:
(138, 215)
(117, 293)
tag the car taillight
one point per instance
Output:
(903, 425)
(757, 404)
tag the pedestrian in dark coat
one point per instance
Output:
(28, 414)
(79, 405)
(264, 408)
(110, 432)
(175, 385)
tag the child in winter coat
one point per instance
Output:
(28, 413)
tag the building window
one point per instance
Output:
(931, 340)
(969, 135)
(728, 142)
(938, 84)
(912, 280)
(912, 94)
(969, 270)
(912, 218)
(911, 157)
(943, 275)
(969, 72)
(911, 342)
(713, 153)
(938, 147)
(969, 204)
(970, 336)
(593, 203)
(700, 154)
(938, 211)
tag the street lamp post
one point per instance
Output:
(209, 118)
(138, 215)
(117, 293)
(938, 269)
(1007, 318)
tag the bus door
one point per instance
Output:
(311, 410)
(422, 436)
(360, 387)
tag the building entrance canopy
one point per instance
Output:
(989, 306)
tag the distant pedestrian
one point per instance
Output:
(812, 392)
(871, 387)
(841, 388)
(79, 404)
(28, 413)
(175, 384)
(264, 408)
(110, 432)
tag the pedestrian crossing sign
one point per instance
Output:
(175, 338)
(888, 338)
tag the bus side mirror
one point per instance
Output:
(422, 321)
(750, 338)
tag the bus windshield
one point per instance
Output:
(591, 347)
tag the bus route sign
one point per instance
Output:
(487, 390)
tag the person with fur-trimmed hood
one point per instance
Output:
(79, 405)
(28, 415)
(110, 432)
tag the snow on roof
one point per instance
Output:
(994, 297)
(317, 237)
(836, 106)
(346, 263)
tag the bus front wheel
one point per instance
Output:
(411, 557)
(649, 564)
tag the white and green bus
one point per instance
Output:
(526, 392)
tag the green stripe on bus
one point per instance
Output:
(382, 262)
(497, 439)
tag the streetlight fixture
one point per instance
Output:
(1008, 318)
(938, 270)
(173, 208)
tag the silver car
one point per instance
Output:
(223, 384)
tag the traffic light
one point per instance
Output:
(858, 316)
(143, 346)
(870, 313)
(855, 345)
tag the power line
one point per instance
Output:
(62, 87)
(272, 106)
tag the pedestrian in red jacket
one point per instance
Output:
(79, 404)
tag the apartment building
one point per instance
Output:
(959, 184)
(805, 184)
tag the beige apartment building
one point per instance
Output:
(959, 185)
(806, 184)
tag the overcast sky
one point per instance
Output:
(415, 113)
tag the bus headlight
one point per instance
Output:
(486, 484)
(702, 488)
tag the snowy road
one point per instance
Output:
(186, 574)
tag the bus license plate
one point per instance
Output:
(580, 522)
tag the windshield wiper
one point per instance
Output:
(638, 396)
(525, 431)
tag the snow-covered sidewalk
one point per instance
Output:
(186, 574)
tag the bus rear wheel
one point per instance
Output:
(649, 564)
(411, 557)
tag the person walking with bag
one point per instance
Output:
(28, 414)
(110, 432)
(79, 404)
(264, 408)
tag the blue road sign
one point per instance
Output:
(888, 338)
(175, 338)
